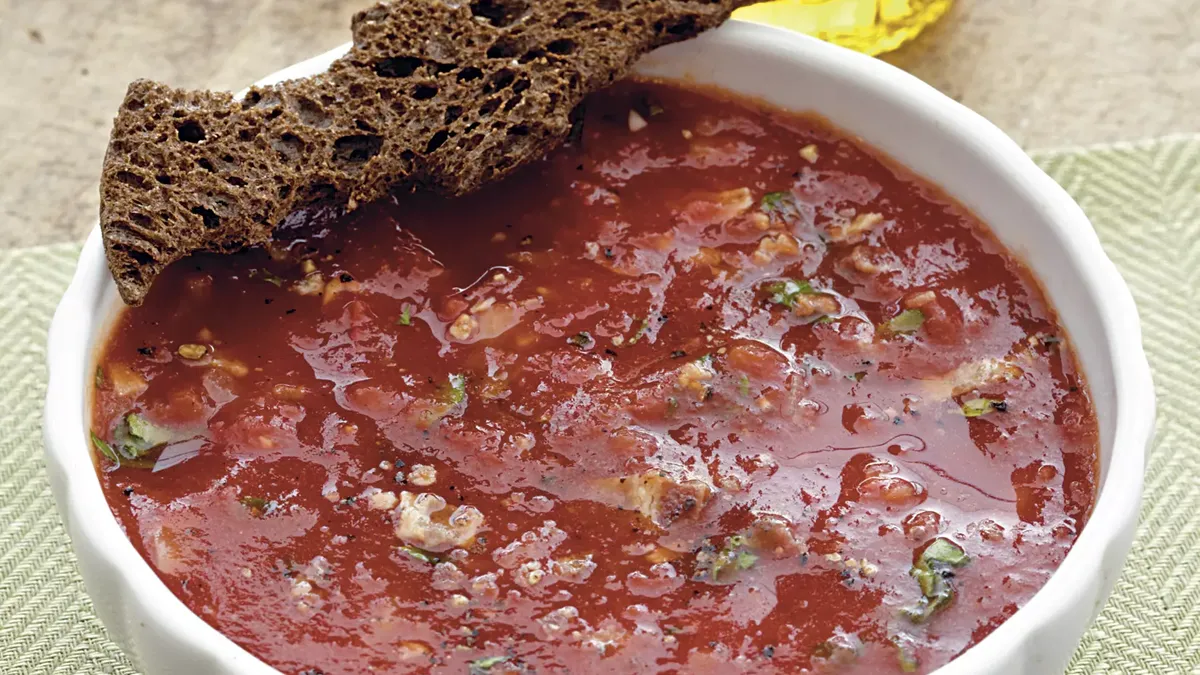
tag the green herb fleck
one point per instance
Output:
(136, 437)
(144, 436)
(733, 557)
(934, 573)
(105, 449)
(672, 406)
(744, 386)
(908, 321)
(486, 664)
(775, 201)
(267, 276)
(583, 340)
(257, 505)
(640, 331)
(787, 291)
(420, 554)
(99, 377)
(455, 391)
(978, 407)
(405, 318)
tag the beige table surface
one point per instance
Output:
(1049, 72)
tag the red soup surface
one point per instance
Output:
(712, 389)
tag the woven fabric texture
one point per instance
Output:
(1144, 199)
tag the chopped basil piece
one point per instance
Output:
(775, 201)
(744, 386)
(934, 573)
(136, 437)
(977, 407)
(105, 449)
(144, 436)
(944, 551)
(420, 554)
(485, 664)
(405, 318)
(257, 505)
(908, 321)
(455, 391)
(785, 292)
(99, 377)
(732, 558)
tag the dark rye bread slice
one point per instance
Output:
(440, 95)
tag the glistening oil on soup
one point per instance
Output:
(711, 389)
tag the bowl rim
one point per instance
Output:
(86, 308)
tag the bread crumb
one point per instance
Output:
(636, 121)
(193, 352)
(483, 305)
(463, 327)
(810, 153)
(308, 266)
(857, 229)
(499, 237)
(920, 299)
(687, 134)
(383, 501)
(422, 475)
(232, 366)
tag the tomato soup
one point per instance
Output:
(713, 388)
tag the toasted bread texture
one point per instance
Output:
(439, 95)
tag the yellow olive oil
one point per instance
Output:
(869, 26)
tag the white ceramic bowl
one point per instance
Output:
(919, 127)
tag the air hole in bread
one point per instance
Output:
(424, 92)
(500, 80)
(436, 141)
(289, 146)
(570, 19)
(452, 113)
(397, 66)
(356, 149)
(191, 132)
(469, 74)
(499, 13)
(311, 113)
(132, 179)
(561, 47)
(684, 26)
(504, 48)
(610, 5)
(532, 55)
(210, 219)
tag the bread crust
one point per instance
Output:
(438, 95)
